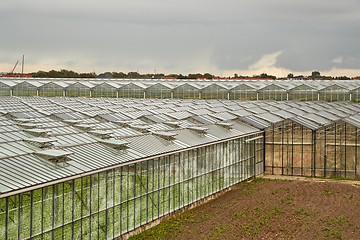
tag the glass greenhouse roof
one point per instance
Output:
(104, 132)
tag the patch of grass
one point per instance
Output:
(280, 190)
(167, 229)
(260, 179)
(287, 200)
(337, 221)
(302, 212)
(330, 232)
(249, 189)
(334, 225)
(241, 214)
(258, 219)
(218, 231)
(328, 192)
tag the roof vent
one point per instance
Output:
(85, 127)
(103, 134)
(24, 120)
(40, 142)
(141, 128)
(199, 129)
(38, 132)
(123, 123)
(54, 155)
(29, 125)
(115, 143)
(225, 124)
(166, 135)
(72, 121)
(173, 124)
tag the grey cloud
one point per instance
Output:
(176, 34)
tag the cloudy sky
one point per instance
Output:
(222, 37)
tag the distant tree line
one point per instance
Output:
(63, 73)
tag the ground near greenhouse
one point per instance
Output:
(265, 208)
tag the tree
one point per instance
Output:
(134, 75)
(315, 74)
(290, 75)
(264, 75)
(208, 76)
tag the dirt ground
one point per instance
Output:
(297, 208)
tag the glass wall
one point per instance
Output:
(131, 91)
(243, 92)
(303, 93)
(272, 92)
(158, 91)
(5, 90)
(186, 91)
(330, 151)
(355, 95)
(334, 93)
(110, 203)
(104, 90)
(77, 90)
(24, 89)
(51, 90)
(214, 91)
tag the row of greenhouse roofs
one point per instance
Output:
(44, 140)
(306, 90)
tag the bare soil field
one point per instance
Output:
(266, 208)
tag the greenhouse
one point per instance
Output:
(132, 90)
(52, 89)
(102, 165)
(279, 90)
(187, 91)
(6, 88)
(215, 91)
(105, 89)
(79, 89)
(243, 92)
(67, 173)
(303, 92)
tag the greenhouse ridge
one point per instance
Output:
(303, 90)
(77, 167)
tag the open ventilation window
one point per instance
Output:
(72, 121)
(24, 120)
(165, 135)
(86, 127)
(103, 134)
(225, 125)
(29, 125)
(123, 123)
(54, 155)
(198, 129)
(173, 124)
(140, 128)
(40, 142)
(115, 143)
(38, 132)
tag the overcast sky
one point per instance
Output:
(222, 37)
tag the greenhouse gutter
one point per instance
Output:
(46, 184)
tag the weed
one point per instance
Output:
(333, 233)
(256, 180)
(328, 192)
(218, 231)
(287, 200)
(249, 189)
(302, 212)
(336, 221)
(241, 214)
(261, 218)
